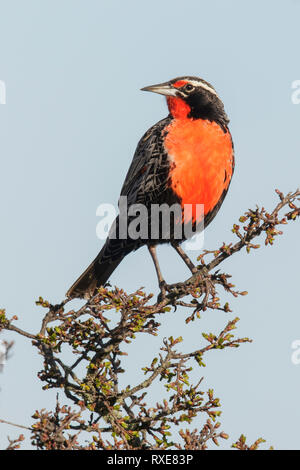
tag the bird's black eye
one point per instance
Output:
(189, 87)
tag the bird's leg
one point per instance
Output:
(185, 258)
(208, 284)
(161, 281)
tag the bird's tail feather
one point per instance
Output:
(93, 277)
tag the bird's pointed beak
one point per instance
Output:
(162, 89)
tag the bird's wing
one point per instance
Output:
(147, 177)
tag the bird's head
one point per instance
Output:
(191, 97)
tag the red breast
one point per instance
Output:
(202, 157)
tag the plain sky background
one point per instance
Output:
(74, 114)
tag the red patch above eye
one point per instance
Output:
(179, 83)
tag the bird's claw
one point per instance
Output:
(167, 289)
(208, 286)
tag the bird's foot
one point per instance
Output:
(205, 281)
(168, 289)
(163, 292)
(208, 286)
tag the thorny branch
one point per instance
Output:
(121, 414)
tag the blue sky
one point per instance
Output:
(72, 118)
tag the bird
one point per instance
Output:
(185, 159)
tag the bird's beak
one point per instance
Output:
(162, 89)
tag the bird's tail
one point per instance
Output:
(93, 277)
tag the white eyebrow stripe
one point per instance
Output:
(203, 85)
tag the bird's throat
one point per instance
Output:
(178, 108)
